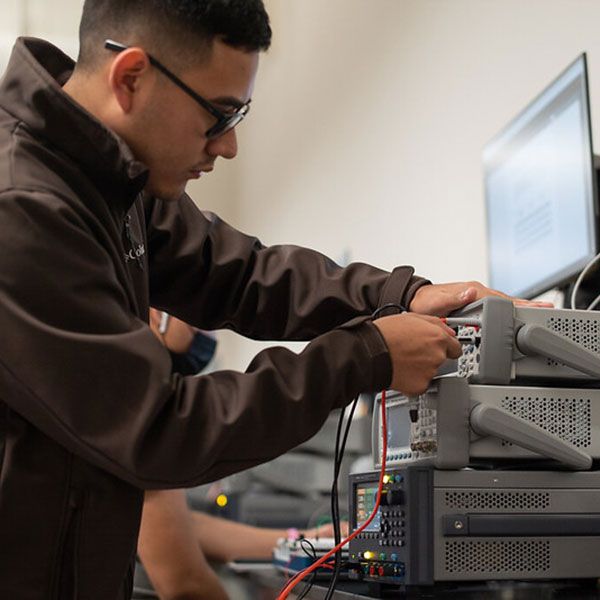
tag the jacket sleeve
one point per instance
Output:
(78, 365)
(211, 275)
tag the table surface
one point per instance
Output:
(269, 578)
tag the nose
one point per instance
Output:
(225, 145)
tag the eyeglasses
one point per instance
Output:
(224, 123)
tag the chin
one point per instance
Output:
(165, 192)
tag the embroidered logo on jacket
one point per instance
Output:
(135, 253)
(136, 249)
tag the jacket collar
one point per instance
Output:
(31, 90)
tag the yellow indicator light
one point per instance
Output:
(369, 555)
(386, 479)
(222, 500)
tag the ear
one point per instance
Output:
(127, 73)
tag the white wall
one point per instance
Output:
(369, 119)
(371, 115)
(12, 20)
(55, 20)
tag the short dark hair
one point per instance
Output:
(185, 28)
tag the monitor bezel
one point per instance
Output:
(491, 149)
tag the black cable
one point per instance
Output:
(337, 465)
(306, 542)
(307, 587)
(335, 507)
(335, 502)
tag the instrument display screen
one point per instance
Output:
(398, 426)
(365, 502)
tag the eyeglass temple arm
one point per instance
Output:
(114, 46)
(117, 47)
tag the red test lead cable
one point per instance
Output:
(292, 583)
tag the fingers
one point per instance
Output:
(447, 329)
(467, 296)
(533, 304)
(485, 291)
(437, 322)
(418, 345)
(454, 349)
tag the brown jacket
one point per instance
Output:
(90, 415)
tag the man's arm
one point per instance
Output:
(212, 276)
(169, 550)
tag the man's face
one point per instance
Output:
(167, 129)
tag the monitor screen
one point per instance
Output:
(540, 190)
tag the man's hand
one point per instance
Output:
(418, 345)
(440, 300)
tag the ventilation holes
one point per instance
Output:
(569, 419)
(497, 500)
(497, 557)
(582, 331)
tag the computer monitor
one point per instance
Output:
(540, 190)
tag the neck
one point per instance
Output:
(82, 89)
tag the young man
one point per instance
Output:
(94, 160)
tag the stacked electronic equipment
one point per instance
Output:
(489, 474)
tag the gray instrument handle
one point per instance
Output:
(497, 422)
(537, 340)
